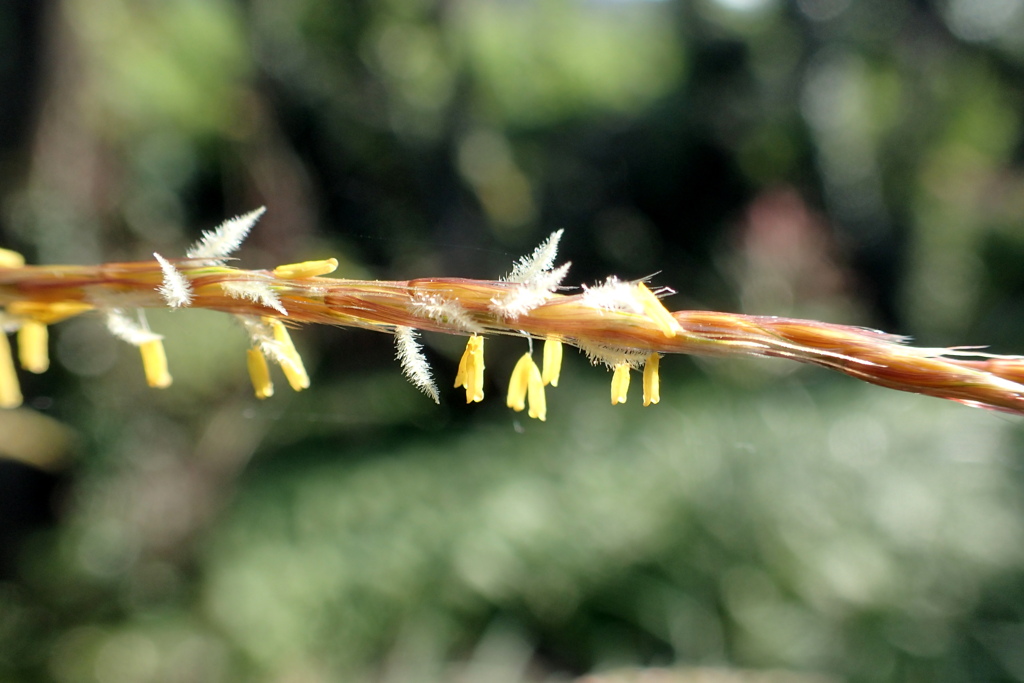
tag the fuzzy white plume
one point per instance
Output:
(533, 280)
(528, 268)
(226, 238)
(255, 291)
(124, 328)
(414, 363)
(444, 311)
(176, 289)
(613, 295)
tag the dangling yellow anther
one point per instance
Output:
(300, 271)
(552, 361)
(471, 370)
(656, 311)
(527, 384)
(33, 351)
(259, 373)
(10, 390)
(652, 382)
(294, 370)
(537, 399)
(154, 363)
(620, 383)
(11, 259)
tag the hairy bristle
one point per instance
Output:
(132, 331)
(176, 289)
(255, 291)
(222, 241)
(541, 260)
(612, 295)
(444, 310)
(414, 363)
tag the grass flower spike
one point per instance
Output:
(619, 324)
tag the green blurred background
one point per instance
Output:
(855, 161)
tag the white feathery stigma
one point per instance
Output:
(445, 311)
(254, 291)
(533, 280)
(414, 363)
(540, 261)
(220, 242)
(613, 295)
(126, 329)
(176, 289)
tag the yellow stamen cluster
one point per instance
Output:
(652, 382)
(471, 370)
(282, 351)
(526, 385)
(33, 335)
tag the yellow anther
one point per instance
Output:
(47, 313)
(620, 383)
(552, 361)
(33, 351)
(299, 271)
(519, 383)
(471, 370)
(259, 373)
(10, 390)
(293, 369)
(11, 259)
(656, 311)
(652, 382)
(154, 363)
(538, 402)
(526, 384)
